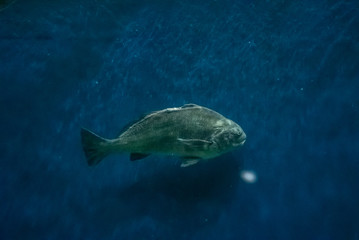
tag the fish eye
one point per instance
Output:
(237, 132)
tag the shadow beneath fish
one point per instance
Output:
(196, 195)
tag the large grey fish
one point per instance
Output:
(191, 132)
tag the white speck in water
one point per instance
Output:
(251, 44)
(301, 89)
(248, 176)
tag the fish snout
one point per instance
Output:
(240, 138)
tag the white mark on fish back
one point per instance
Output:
(219, 123)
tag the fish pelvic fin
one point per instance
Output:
(95, 147)
(186, 162)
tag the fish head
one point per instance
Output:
(230, 136)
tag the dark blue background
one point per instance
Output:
(286, 71)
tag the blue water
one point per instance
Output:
(286, 71)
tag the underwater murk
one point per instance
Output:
(256, 100)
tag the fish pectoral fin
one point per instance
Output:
(189, 161)
(137, 156)
(194, 142)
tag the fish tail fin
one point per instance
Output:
(95, 147)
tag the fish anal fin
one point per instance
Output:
(137, 156)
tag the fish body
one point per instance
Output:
(191, 132)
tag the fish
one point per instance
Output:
(190, 132)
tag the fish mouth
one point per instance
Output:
(242, 139)
(239, 143)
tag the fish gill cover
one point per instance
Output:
(286, 71)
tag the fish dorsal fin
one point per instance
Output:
(190, 105)
(150, 114)
(137, 156)
(134, 122)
